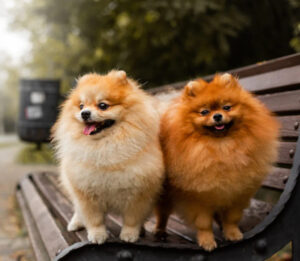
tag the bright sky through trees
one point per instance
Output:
(12, 43)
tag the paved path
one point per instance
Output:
(14, 243)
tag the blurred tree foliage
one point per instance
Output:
(271, 28)
(295, 42)
(10, 74)
(156, 42)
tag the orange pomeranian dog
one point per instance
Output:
(219, 143)
(110, 157)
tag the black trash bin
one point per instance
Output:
(38, 109)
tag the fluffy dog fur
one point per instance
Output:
(214, 167)
(118, 169)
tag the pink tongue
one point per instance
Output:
(89, 129)
(221, 127)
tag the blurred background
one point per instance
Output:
(155, 42)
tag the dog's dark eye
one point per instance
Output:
(81, 106)
(103, 106)
(226, 108)
(204, 112)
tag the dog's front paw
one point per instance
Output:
(97, 235)
(206, 241)
(233, 233)
(160, 234)
(130, 234)
(75, 224)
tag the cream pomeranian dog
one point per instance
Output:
(107, 142)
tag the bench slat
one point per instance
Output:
(277, 178)
(173, 237)
(290, 126)
(272, 80)
(181, 229)
(254, 214)
(58, 203)
(267, 66)
(286, 152)
(283, 102)
(176, 230)
(35, 238)
(51, 234)
(261, 72)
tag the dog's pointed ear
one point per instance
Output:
(120, 75)
(190, 88)
(227, 80)
(193, 87)
(85, 77)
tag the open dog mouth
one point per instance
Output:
(220, 127)
(96, 127)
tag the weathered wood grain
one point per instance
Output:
(282, 102)
(255, 70)
(58, 203)
(39, 249)
(290, 126)
(51, 235)
(277, 178)
(272, 80)
(286, 152)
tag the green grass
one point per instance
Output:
(30, 155)
(285, 254)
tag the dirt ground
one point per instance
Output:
(14, 242)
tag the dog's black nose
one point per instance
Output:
(85, 115)
(218, 117)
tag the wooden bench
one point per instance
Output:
(267, 227)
